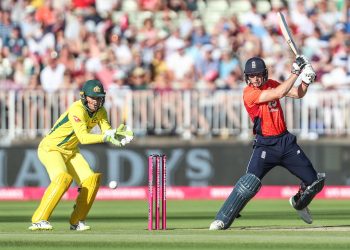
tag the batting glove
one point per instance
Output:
(300, 62)
(124, 134)
(308, 75)
(109, 136)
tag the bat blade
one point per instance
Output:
(287, 34)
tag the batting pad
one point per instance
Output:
(245, 189)
(86, 197)
(52, 196)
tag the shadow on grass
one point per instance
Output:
(273, 216)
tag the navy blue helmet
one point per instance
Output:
(255, 66)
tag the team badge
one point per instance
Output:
(76, 119)
(253, 65)
(97, 89)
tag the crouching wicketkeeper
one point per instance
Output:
(60, 155)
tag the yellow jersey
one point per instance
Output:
(74, 126)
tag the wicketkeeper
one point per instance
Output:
(273, 144)
(60, 155)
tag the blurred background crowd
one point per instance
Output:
(166, 44)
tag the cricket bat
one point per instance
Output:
(286, 34)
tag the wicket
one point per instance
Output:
(157, 192)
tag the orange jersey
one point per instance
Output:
(267, 117)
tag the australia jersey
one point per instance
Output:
(73, 127)
(267, 117)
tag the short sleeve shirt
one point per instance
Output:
(267, 117)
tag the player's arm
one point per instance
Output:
(103, 122)
(280, 91)
(283, 89)
(79, 124)
(307, 77)
(120, 136)
(298, 92)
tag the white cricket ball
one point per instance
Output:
(113, 184)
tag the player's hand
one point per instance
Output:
(109, 136)
(308, 75)
(298, 65)
(124, 134)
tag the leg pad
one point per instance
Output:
(305, 194)
(52, 196)
(245, 189)
(85, 199)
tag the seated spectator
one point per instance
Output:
(5, 24)
(52, 75)
(207, 62)
(150, 5)
(200, 34)
(15, 42)
(228, 63)
(138, 79)
(39, 42)
(180, 64)
(158, 64)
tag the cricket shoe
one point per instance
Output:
(41, 225)
(217, 225)
(304, 213)
(81, 226)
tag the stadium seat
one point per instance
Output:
(263, 6)
(129, 5)
(217, 5)
(240, 6)
(211, 18)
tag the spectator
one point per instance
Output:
(5, 25)
(82, 31)
(158, 64)
(15, 42)
(138, 81)
(180, 64)
(228, 64)
(200, 34)
(45, 14)
(40, 42)
(52, 76)
(207, 63)
(150, 5)
(121, 49)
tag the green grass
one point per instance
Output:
(269, 224)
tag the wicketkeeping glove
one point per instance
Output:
(109, 136)
(300, 62)
(308, 75)
(124, 134)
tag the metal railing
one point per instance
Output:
(31, 114)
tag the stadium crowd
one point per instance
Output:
(165, 44)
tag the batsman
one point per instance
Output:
(273, 144)
(59, 153)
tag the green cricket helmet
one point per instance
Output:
(92, 88)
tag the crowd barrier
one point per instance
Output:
(190, 113)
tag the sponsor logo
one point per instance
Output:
(273, 106)
(76, 119)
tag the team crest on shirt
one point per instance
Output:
(76, 119)
(273, 106)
